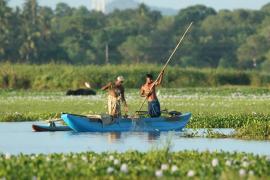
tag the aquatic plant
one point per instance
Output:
(134, 165)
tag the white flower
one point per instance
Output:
(7, 156)
(254, 113)
(215, 162)
(84, 158)
(33, 157)
(242, 172)
(69, 165)
(268, 158)
(245, 158)
(34, 178)
(245, 164)
(228, 163)
(48, 158)
(191, 173)
(124, 168)
(251, 173)
(116, 161)
(159, 173)
(111, 157)
(174, 168)
(110, 170)
(164, 166)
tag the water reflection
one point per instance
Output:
(13, 136)
(113, 137)
(153, 136)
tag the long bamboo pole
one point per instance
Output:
(164, 67)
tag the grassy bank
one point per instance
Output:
(134, 165)
(52, 76)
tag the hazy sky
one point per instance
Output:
(176, 4)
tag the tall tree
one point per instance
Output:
(133, 50)
(6, 29)
(28, 50)
(251, 53)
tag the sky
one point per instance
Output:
(175, 4)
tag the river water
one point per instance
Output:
(18, 138)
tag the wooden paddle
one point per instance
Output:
(165, 66)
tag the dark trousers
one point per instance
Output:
(154, 108)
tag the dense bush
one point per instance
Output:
(52, 76)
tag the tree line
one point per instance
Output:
(37, 34)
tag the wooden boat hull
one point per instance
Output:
(80, 123)
(44, 128)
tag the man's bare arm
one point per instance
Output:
(159, 80)
(106, 86)
(123, 97)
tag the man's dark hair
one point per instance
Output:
(150, 76)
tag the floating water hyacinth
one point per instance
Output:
(110, 170)
(116, 162)
(84, 158)
(191, 173)
(245, 164)
(245, 158)
(140, 164)
(69, 165)
(124, 168)
(174, 168)
(164, 167)
(242, 172)
(111, 157)
(214, 162)
(228, 163)
(159, 173)
(251, 173)
(268, 158)
(7, 156)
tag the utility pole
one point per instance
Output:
(107, 53)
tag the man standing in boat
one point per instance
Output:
(148, 90)
(116, 94)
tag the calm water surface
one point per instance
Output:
(18, 138)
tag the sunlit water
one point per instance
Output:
(18, 138)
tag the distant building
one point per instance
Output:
(99, 5)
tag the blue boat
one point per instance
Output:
(80, 123)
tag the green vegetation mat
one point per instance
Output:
(135, 165)
(245, 109)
